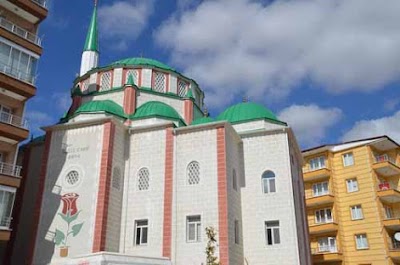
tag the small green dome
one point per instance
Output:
(202, 120)
(157, 109)
(247, 111)
(142, 62)
(101, 106)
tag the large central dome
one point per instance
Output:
(142, 62)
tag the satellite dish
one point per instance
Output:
(397, 236)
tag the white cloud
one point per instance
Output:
(310, 122)
(123, 21)
(37, 119)
(389, 126)
(62, 101)
(240, 47)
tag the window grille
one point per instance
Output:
(116, 180)
(134, 74)
(72, 177)
(159, 82)
(193, 173)
(85, 85)
(143, 179)
(182, 87)
(105, 81)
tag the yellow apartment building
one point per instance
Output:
(353, 202)
(20, 50)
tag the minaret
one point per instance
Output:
(90, 55)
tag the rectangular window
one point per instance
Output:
(317, 163)
(236, 232)
(388, 212)
(348, 159)
(182, 88)
(272, 233)
(327, 244)
(320, 189)
(234, 180)
(323, 216)
(7, 196)
(361, 241)
(159, 81)
(193, 228)
(141, 228)
(356, 212)
(352, 185)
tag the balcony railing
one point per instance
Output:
(13, 120)
(42, 3)
(325, 249)
(384, 158)
(309, 169)
(20, 31)
(18, 74)
(10, 169)
(5, 222)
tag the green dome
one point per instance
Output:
(202, 120)
(101, 106)
(157, 109)
(247, 111)
(142, 62)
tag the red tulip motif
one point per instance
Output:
(69, 203)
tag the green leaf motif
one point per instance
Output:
(76, 229)
(68, 218)
(59, 237)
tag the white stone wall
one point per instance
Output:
(146, 149)
(146, 77)
(234, 161)
(173, 84)
(261, 153)
(256, 125)
(116, 192)
(117, 78)
(117, 97)
(75, 149)
(200, 199)
(177, 104)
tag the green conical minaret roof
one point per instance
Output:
(130, 81)
(189, 94)
(91, 43)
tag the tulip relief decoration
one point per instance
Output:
(69, 214)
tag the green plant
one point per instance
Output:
(210, 248)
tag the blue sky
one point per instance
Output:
(331, 69)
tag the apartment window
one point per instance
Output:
(323, 216)
(17, 63)
(141, 229)
(352, 185)
(193, 228)
(388, 212)
(356, 212)
(159, 82)
(143, 179)
(268, 182)
(7, 195)
(361, 241)
(236, 232)
(327, 244)
(272, 233)
(5, 114)
(193, 173)
(321, 188)
(348, 159)
(317, 163)
(234, 180)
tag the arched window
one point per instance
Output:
(143, 182)
(116, 180)
(193, 173)
(159, 82)
(234, 180)
(105, 81)
(268, 182)
(182, 88)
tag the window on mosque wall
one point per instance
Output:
(193, 228)
(105, 81)
(143, 182)
(159, 81)
(72, 178)
(193, 173)
(182, 88)
(272, 233)
(141, 232)
(268, 182)
(116, 179)
(134, 73)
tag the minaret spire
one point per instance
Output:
(90, 55)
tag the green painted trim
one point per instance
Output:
(256, 119)
(180, 121)
(92, 43)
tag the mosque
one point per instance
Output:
(136, 171)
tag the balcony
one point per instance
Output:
(326, 254)
(392, 223)
(386, 166)
(319, 200)
(394, 251)
(388, 194)
(13, 127)
(323, 228)
(33, 11)
(316, 174)
(42, 3)
(10, 175)
(18, 74)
